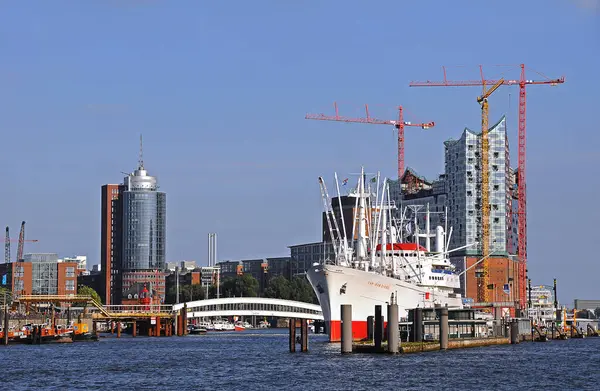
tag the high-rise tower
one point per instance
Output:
(138, 239)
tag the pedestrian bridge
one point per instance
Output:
(251, 306)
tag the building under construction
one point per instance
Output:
(455, 199)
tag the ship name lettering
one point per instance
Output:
(379, 285)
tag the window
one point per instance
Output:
(70, 271)
(70, 285)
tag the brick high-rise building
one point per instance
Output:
(110, 242)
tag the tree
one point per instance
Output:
(297, 289)
(302, 290)
(279, 287)
(240, 286)
(186, 293)
(86, 290)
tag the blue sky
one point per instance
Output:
(220, 89)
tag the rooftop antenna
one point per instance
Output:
(141, 159)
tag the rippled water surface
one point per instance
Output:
(255, 360)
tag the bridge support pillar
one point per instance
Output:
(134, 328)
(118, 329)
(292, 328)
(304, 336)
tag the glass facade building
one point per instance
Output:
(144, 226)
(143, 235)
(463, 186)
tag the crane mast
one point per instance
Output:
(7, 247)
(482, 289)
(21, 242)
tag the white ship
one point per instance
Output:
(413, 274)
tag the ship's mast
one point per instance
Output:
(345, 252)
(361, 248)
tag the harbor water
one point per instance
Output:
(259, 359)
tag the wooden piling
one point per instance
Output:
(304, 336)
(292, 336)
(6, 324)
(118, 329)
(134, 328)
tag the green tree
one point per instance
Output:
(186, 293)
(279, 287)
(302, 290)
(239, 286)
(88, 291)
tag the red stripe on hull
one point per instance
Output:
(359, 330)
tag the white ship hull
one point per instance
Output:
(336, 285)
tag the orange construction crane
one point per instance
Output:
(522, 82)
(398, 124)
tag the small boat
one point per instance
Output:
(196, 329)
(81, 333)
(239, 326)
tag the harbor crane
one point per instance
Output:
(399, 124)
(522, 82)
(482, 288)
(21, 241)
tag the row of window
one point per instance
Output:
(252, 307)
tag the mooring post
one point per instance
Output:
(6, 325)
(514, 332)
(134, 328)
(118, 329)
(444, 328)
(370, 327)
(185, 320)
(304, 336)
(418, 325)
(292, 337)
(157, 327)
(346, 320)
(392, 328)
(378, 327)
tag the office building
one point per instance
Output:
(133, 238)
(39, 274)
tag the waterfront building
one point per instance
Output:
(133, 238)
(39, 274)
(81, 261)
(581, 304)
(182, 265)
(304, 255)
(463, 186)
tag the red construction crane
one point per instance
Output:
(522, 82)
(398, 124)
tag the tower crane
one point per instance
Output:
(522, 82)
(482, 288)
(399, 124)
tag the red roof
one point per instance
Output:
(401, 246)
